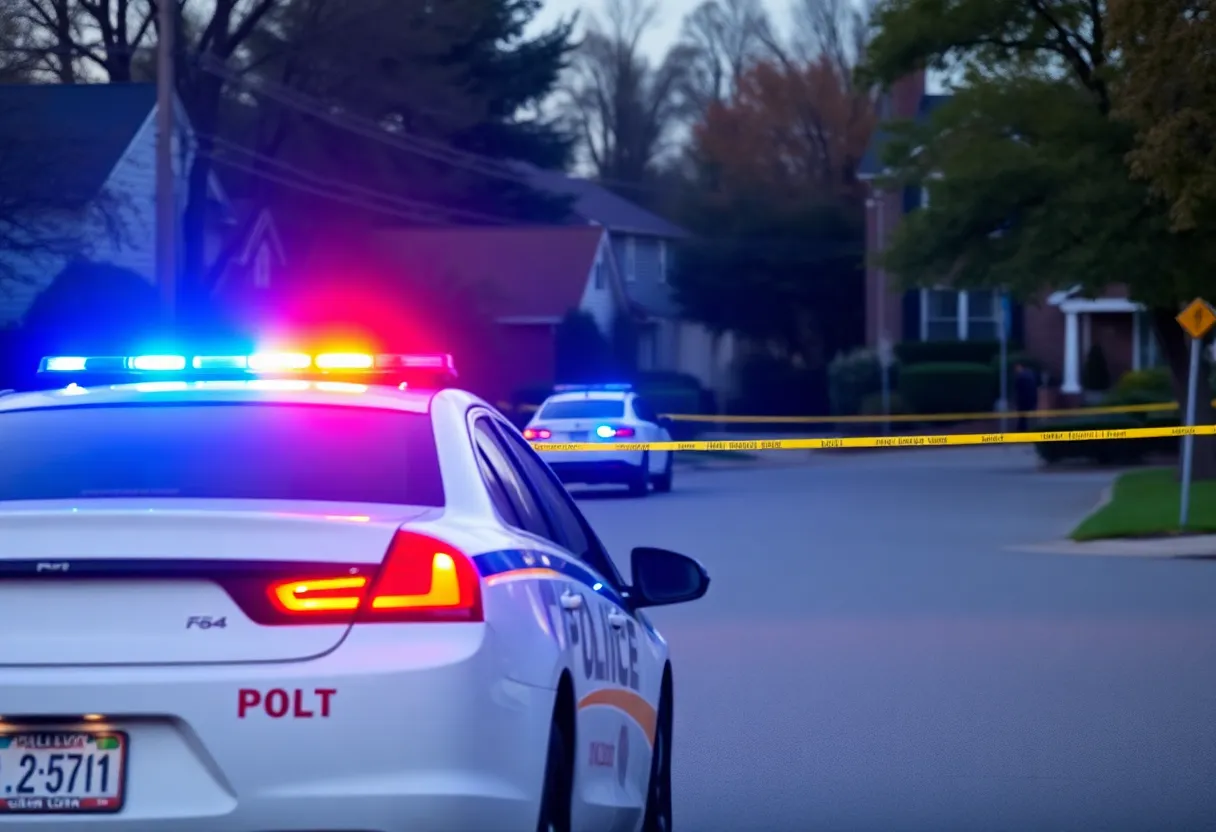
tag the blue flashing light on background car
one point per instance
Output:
(621, 387)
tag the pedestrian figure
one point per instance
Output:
(1026, 394)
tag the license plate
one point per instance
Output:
(43, 772)
(577, 436)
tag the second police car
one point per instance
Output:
(272, 592)
(607, 415)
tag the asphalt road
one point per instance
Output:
(871, 657)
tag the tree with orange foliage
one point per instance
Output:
(795, 130)
(778, 211)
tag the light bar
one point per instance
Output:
(623, 387)
(237, 366)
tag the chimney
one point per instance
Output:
(906, 94)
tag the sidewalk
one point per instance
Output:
(1175, 546)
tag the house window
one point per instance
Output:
(662, 261)
(261, 269)
(631, 259)
(949, 315)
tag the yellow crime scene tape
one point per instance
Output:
(944, 440)
(980, 416)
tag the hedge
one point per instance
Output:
(853, 377)
(948, 387)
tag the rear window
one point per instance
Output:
(220, 451)
(584, 409)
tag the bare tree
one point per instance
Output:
(76, 40)
(625, 108)
(834, 31)
(725, 37)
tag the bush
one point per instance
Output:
(950, 352)
(1107, 451)
(871, 405)
(948, 387)
(1155, 383)
(852, 377)
(1095, 375)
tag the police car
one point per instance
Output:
(610, 414)
(273, 592)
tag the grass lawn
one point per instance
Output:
(1145, 504)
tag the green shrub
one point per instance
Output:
(1155, 382)
(950, 352)
(871, 405)
(853, 376)
(1101, 451)
(948, 387)
(1095, 374)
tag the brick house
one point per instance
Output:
(1058, 329)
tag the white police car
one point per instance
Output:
(608, 414)
(251, 593)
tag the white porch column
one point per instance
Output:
(1072, 354)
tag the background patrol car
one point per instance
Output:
(269, 592)
(610, 414)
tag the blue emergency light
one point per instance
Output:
(291, 364)
(622, 387)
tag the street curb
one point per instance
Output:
(1182, 547)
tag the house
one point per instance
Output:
(644, 246)
(1058, 329)
(97, 144)
(523, 281)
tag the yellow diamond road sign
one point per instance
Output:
(1197, 318)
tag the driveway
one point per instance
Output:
(873, 656)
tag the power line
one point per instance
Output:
(432, 149)
(358, 191)
(316, 190)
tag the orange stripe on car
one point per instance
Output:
(637, 708)
(538, 573)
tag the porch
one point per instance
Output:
(1119, 326)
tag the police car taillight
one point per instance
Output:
(613, 432)
(537, 434)
(422, 579)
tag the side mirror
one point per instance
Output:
(662, 577)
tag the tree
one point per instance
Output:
(779, 211)
(453, 85)
(94, 308)
(1168, 55)
(792, 129)
(1025, 166)
(725, 39)
(624, 108)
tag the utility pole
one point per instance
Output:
(166, 202)
(885, 357)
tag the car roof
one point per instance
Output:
(269, 391)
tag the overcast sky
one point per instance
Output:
(666, 26)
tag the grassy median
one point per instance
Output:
(1145, 504)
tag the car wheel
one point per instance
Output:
(639, 480)
(662, 482)
(559, 784)
(658, 793)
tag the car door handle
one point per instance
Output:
(571, 601)
(617, 620)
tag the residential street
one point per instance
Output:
(872, 656)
